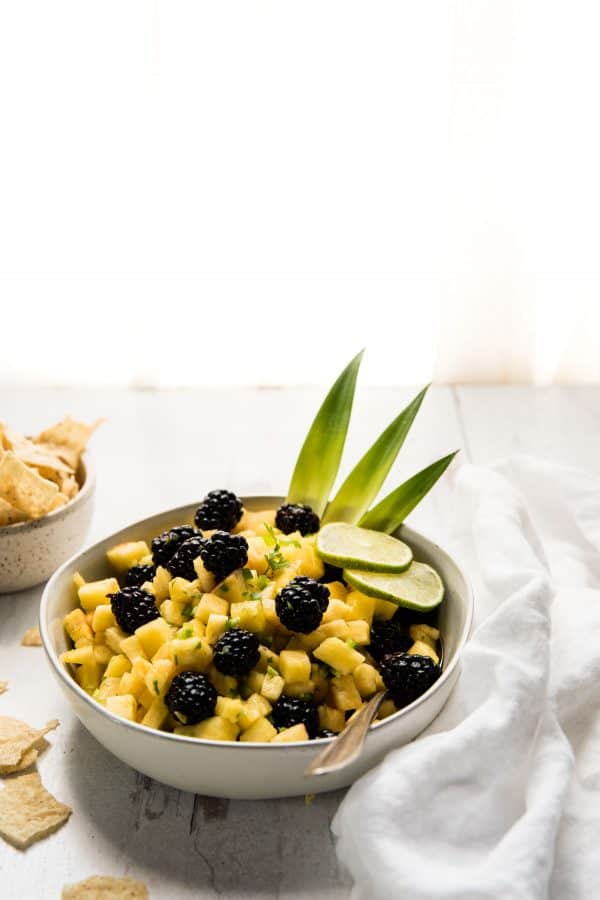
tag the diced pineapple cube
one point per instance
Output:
(192, 653)
(256, 521)
(159, 676)
(215, 627)
(420, 648)
(77, 627)
(78, 580)
(209, 605)
(384, 609)
(300, 688)
(257, 553)
(113, 637)
(145, 698)
(320, 679)
(331, 719)
(118, 665)
(295, 733)
(229, 708)
(216, 729)
(95, 593)
(232, 588)
(124, 705)
(156, 714)
(339, 655)
(359, 632)
(126, 555)
(153, 635)
(310, 563)
(344, 693)
(337, 609)
(103, 654)
(254, 680)
(425, 633)
(268, 657)
(132, 683)
(206, 579)
(272, 686)
(88, 670)
(253, 708)
(183, 591)
(337, 590)
(271, 617)
(132, 648)
(261, 731)
(172, 611)
(226, 685)
(366, 679)
(294, 643)
(250, 614)
(160, 584)
(103, 617)
(109, 687)
(387, 708)
(361, 606)
(294, 665)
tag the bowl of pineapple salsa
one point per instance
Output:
(245, 626)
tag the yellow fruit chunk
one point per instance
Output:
(87, 673)
(271, 617)
(132, 648)
(95, 593)
(339, 655)
(192, 653)
(156, 714)
(183, 591)
(367, 680)
(124, 706)
(256, 521)
(272, 686)
(113, 637)
(172, 611)
(251, 615)
(103, 654)
(153, 635)
(209, 605)
(294, 665)
(117, 666)
(215, 729)
(77, 627)
(420, 648)
(425, 633)
(295, 733)
(257, 553)
(268, 657)
(215, 627)
(337, 590)
(229, 708)
(331, 719)
(384, 609)
(254, 681)
(359, 632)
(232, 588)
(132, 683)
(344, 693)
(78, 580)
(126, 555)
(226, 685)
(159, 676)
(361, 606)
(300, 688)
(103, 617)
(387, 708)
(109, 687)
(160, 584)
(206, 579)
(337, 609)
(253, 708)
(261, 731)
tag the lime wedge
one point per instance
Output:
(419, 587)
(349, 546)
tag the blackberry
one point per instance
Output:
(290, 711)
(219, 509)
(326, 733)
(407, 677)
(301, 603)
(223, 553)
(236, 652)
(297, 517)
(182, 562)
(137, 575)
(167, 543)
(191, 698)
(331, 573)
(388, 637)
(132, 607)
(407, 617)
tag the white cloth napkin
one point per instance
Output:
(501, 797)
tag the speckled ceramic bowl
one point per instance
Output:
(244, 770)
(31, 551)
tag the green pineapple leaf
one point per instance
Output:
(321, 453)
(364, 481)
(391, 512)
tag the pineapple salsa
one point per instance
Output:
(256, 626)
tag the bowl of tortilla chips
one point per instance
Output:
(46, 501)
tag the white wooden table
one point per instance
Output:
(163, 449)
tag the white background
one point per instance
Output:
(248, 192)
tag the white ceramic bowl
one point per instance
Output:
(31, 551)
(241, 770)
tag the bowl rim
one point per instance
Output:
(86, 488)
(135, 727)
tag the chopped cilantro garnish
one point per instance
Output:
(247, 574)
(271, 672)
(185, 633)
(224, 589)
(231, 623)
(176, 658)
(155, 685)
(198, 645)
(351, 643)
(187, 611)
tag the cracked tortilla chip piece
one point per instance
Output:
(31, 638)
(68, 433)
(104, 887)
(9, 514)
(17, 738)
(25, 488)
(28, 812)
(27, 760)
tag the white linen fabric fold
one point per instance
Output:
(500, 798)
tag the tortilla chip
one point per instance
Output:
(25, 488)
(43, 459)
(68, 433)
(17, 738)
(3, 686)
(68, 486)
(104, 887)
(25, 762)
(28, 811)
(9, 514)
(31, 638)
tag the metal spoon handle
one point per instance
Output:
(348, 744)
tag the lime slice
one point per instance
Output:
(420, 587)
(349, 546)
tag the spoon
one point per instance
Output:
(347, 746)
